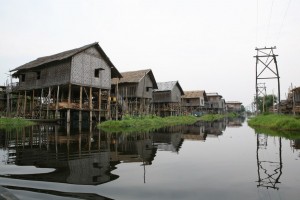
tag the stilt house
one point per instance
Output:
(233, 106)
(70, 83)
(194, 102)
(132, 94)
(167, 99)
(216, 104)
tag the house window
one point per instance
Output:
(23, 77)
(97, 72)
(38, 75)
(188, 101)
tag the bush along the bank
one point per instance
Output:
(10, 123)
(145, 123)
(276, 122)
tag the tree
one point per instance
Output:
(264, 103)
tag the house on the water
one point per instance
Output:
(132, 94)
(216, 104)
(233, 106)
(194, 102)
(69, 84)
(167, 99)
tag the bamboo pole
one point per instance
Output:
(99, 105)
(69, 104)
(91, 104)
(57, 102)
(80, 105)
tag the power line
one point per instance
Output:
(283, 20)
(269, 22)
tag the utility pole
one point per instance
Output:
(266, 56)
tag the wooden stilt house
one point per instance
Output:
(132, 94)
(167, 99)
(70, 83)
(194, 102)
(216, 103)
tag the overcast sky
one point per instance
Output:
(205, 45)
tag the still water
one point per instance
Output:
(220, 160)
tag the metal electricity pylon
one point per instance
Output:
(267, 58)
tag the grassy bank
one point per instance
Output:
(146, 123)
(276, 122)
(215, 117)
(9, 123)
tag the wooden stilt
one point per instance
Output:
(48, 101)
(32, 105)
(25, 102)
(108, 117)
(117, 96)
(41, 106)
(18, 104)
(91, 104)
(99, 105)
(57, 102)
(80, 105)
(69, 104)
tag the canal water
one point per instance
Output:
(219, 160)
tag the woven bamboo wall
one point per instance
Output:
(55, 73)
(83, 70)
(142, 88)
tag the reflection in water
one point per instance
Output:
(89, 157)
(269, 168)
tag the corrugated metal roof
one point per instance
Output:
(67, 54)
(135, 77)
(168, 86)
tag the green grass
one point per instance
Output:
(10, 123)
(276, 122)
(146, 123)
(215, 117)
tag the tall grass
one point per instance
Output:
(276, 122)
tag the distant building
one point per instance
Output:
(167, 98)
(194, 102)
(216, 104)
(132, 94)
(233, 106)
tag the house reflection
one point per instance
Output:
(89, 156)
(235, 122)
(168, 138)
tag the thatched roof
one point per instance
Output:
(67, 54)
(194, 94)
(168, 86)
(233, 102)
(135, 77)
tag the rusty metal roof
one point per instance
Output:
(135, 77)
(67, 54)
